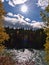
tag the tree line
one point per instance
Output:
(20, 38)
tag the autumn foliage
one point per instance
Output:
(47, 46)
(3, 35)
(45, 17)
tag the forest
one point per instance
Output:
(20, 38)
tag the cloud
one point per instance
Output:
(27, 19)
(15, 2)
(14, 15)
(10, 14)
(33, 21)
(21, 21)
(11, 3)
(2, 0)
(19, 1)
(37, 24)
(10, 20)
(42, 3)
(18, 19)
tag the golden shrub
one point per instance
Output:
(3, 35)
(47, 46)
(2, 47)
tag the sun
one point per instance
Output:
(24, 8)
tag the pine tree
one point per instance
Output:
(3, 35)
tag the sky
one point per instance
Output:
(24, 13)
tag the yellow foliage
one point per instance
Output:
(47, 46)
(47, 8)
(2, 11)
(3, 35)
(47, 59)
(2, 29)
(45, 17)
(2, 47)
(1, 5)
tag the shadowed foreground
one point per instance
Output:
(20, 57)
